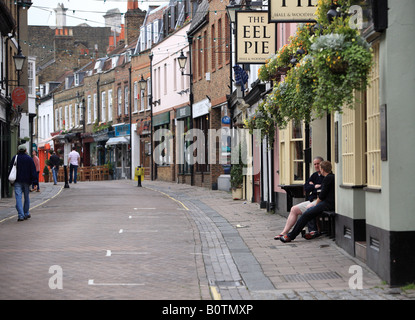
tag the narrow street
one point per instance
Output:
(164, 241)
(111, 241)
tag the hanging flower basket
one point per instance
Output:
(338, 68)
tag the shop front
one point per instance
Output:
(119, 151)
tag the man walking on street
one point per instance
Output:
(26, 175)
(73, 159)
(54, 162)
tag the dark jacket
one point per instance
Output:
(26, 169)
(310, 190)
(54, 161)
(327, 193)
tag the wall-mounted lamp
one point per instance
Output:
(19, 60)
(231, 9)
(182, 59)
(143, 83)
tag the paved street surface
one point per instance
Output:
(114, 240)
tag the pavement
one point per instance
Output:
(234, 254)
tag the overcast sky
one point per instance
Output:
(79, 11)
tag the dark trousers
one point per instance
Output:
(308, 215)
(73, 172)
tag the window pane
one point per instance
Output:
(297, 129)
(298, 171)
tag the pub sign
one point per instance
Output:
(255, 37)
(292, 10)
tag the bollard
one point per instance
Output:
(66, 176)
(139, 174)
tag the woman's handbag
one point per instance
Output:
(13, 172)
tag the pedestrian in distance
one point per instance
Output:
(35, 185)
(73, 160)
(311, 188)
(26, 176)
(54, 164)
(325, 202)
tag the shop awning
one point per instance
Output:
(118, 140)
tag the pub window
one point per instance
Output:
(373, 124)
(297, 147)
(291, 145)
(353, 142)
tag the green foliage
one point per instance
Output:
(327, 62)
(46, 171)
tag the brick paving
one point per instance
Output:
(167, 241)
(106, 248)
(300, 270)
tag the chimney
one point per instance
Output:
(132, 5)
(134, 18)
(60, 13)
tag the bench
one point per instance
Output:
(328, 223)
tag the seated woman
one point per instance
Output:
(325, 202)
(311, 187)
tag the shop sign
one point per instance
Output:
(201, 108)
(255, 37)
(18, 96)
(121, 130)
(183, 112)
(292, 10)
(161, 119)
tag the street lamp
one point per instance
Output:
(231, 10)
(142, 83)
(182, 59)
(19, 60)
(182, 62)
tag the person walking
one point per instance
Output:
(37, 165)
(54, 162)
(26, 175)
(73, 160)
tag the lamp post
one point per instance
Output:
(143, 85)
(182, 59)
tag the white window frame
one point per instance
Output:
(89, 108)
(103, 106)
(126, 92)
(95, 107)
(110, 105)
(135, 96)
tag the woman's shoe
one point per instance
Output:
(278, 237)
(285, 238)
(312, 235)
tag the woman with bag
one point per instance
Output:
(26, 175)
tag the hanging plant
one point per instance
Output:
(323, 64)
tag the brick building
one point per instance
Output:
(57, 50)
(209, 36)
